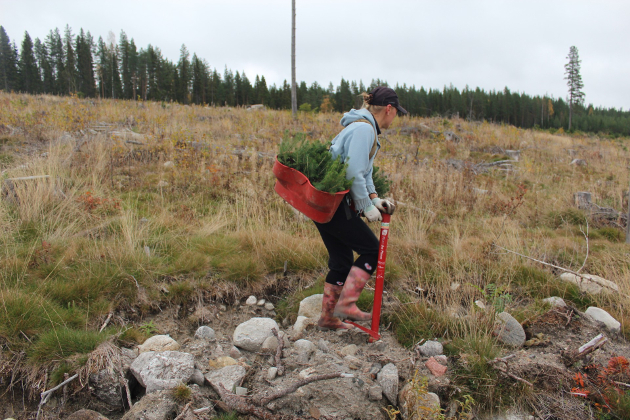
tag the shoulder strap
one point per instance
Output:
(375, 145)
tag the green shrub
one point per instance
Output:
(381, 182)
(612, 234)
(570, 216)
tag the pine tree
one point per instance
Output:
(8, 63)
(55, 49)
(85, 65)
(184, 76)
(574, 81)
(29, 73)
(70, 70)
(45, 66)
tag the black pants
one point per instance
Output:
(346, 232)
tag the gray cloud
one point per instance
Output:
(490, 44)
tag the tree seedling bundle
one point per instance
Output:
(313, 159)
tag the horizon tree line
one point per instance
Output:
(77, 64)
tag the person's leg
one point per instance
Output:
(339, 263)
(341, 236)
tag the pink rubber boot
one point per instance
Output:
(328, 321)
(347, 305)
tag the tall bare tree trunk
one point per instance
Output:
(293, 86)
(628, 220)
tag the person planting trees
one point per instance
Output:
(357, 145)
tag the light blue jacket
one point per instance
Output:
(353, 144)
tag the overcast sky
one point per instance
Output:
(491, 44)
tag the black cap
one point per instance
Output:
(383, 96)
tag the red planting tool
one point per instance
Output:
(380, 279)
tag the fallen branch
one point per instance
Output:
(184, 411)
(109, 317)
(278, 357)
(46, 394)
(570, 357)
(233, 402)
(266, 400)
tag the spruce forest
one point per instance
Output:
(77, 64)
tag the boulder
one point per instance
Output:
(601, 315)
(159, 405)
(269, 306)
(205, 333)
(230, 377)
(159, 343)
(163, 370)
(301, 324)
(387, 378)
(105, 385)
(270, 345)
(85, 415)
(416, 405)
(590, 283)
(311, 307)
(508, 330)
(431, 348)
(555, 302)
(251, 301)
(251, 335)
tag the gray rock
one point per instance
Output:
(159, 405)
(163, 370)
(375, 368)
(169, 164)
(387, 378)
(353, 362)
(508, 330)
(601, 315)
(205, 333)
(350, 350)
(269, 306)
(241, 391)
(85, 414)
(235, 353)
(431, 348)
(375, 393)
(304, 349)
(251, 335)
(301, 324)
(578, 162)
(261, 302)
(270, 345)
(555, 302)
(416, 406)
(513, 154)
(322, 345)
(380, 345)
(230, 377)
(159, 343)
(105, 385)
(590, 283)
(272, 373)
(251, 301)
(311, 307)
(198, 378)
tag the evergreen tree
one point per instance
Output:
(29, 73)
(85, 65)
(55, 49)
(574, 81)
(45, 67)
(8, 63)
(200, 79)
(184, 76)
(70, 70)
(228, 86)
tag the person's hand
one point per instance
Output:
(372, 214)
(384, 205)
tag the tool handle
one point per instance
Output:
(380, 273)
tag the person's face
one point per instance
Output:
(390, 114)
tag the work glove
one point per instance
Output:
(385, 206)
(372, 214)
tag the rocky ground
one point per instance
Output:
(232, 362)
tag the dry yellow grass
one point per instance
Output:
(112, 215)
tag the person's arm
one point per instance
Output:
(358, 165)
